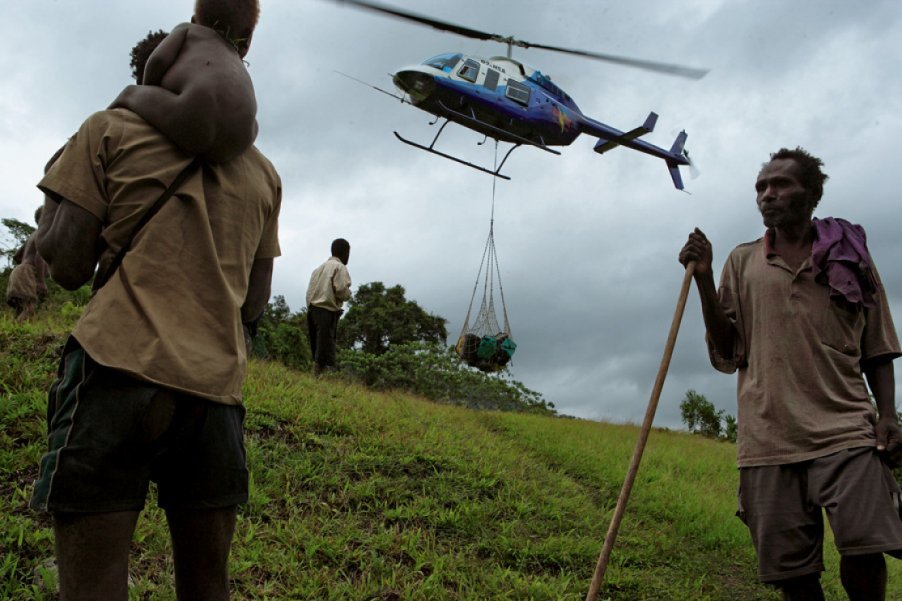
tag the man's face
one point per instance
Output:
(782, 200)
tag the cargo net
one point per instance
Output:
(485, 344)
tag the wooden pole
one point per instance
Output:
(605, 555)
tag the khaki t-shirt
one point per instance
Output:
(171, 313)
(800, 393)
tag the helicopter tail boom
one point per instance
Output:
(609, 138)
(605, 144)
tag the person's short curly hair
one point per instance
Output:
(142, 50)
(341, 248)
(235, 20)
(810, 174)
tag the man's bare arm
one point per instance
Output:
(68, 239)
(881, 378)
(719, 327)
(258, 290)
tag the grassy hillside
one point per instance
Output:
(359, 495)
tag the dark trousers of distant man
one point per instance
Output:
(322, 329)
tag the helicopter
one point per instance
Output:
(505, 99)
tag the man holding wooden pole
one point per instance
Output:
(801, 315)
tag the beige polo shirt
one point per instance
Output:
(800, 389)
(330, 285)
(171, 313)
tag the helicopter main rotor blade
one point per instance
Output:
(422, 19)
(667, 68)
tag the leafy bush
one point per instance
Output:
(731, 428)
(701, 417)
(437, 373)
(282, 335)
(402, 356)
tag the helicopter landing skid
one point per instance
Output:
(496, 172)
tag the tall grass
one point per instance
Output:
(364, 495)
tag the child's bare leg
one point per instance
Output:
(180, 117)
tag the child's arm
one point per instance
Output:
(164, 55)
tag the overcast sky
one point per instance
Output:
(587, 244)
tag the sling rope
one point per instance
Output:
(486, 345)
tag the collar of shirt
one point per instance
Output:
(769, 249)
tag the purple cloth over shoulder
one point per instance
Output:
(840, 259)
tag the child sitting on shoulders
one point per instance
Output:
(195, 87)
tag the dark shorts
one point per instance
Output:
(783, 506)
(110, 435)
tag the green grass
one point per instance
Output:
(362, 495)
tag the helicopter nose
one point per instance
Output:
(415, 82)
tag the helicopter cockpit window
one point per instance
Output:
(444, 62)
(517, 92)
(470, 70)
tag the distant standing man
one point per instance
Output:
(150, 382)
(330, 287)
(803, 317)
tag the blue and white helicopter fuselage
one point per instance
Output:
(504, 99)
(488, 91)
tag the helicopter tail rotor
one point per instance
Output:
(693, 168)
(678, 149)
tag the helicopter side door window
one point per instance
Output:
(469, 71)
(491, 79)
(517, 92)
